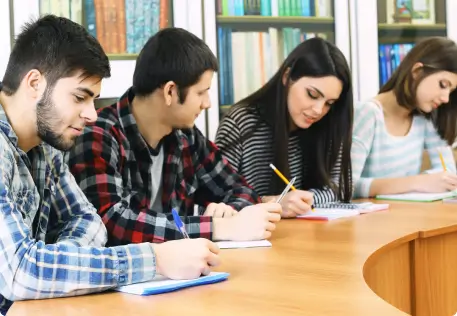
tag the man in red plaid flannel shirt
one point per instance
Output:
(144, 156)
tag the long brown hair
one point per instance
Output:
(435, 54)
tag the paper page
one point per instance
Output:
(417, 196)
(243, 244)
(329, 213)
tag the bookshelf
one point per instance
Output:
(254, 37)
(401, 23)
(121, 26)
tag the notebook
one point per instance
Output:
(417, 196)
(331, 211)
(243, 244)
(161, 284)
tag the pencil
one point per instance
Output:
(442, 161)
(281, 176)
(285, 180)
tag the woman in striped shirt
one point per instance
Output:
(300, 121)
(416, 110)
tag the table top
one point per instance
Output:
(313, 268)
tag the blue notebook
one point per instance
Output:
(161, 284)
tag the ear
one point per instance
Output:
(168, 89)
(285, 76)
(417, 66)
(35, 83)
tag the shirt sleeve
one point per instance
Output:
(32, 269)
(228, 140)
(362, 141)
(218, 181)
(95, 162)
(435, 145)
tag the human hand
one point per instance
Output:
(254, 222)
(296, 202)
(436, 182)
(186, 258)
(220, 210)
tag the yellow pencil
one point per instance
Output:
(281, 176)
(442, 161)
(285, 180)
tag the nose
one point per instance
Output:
(206, 104)
(318, 108)
(89, 114)
(445, 97)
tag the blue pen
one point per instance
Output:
(179, 223)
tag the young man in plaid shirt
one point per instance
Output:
(51, 238)
(144, 156)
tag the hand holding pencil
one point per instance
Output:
(295, 202)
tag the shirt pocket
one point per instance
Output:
(25, 202)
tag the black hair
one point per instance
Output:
(172, 54)
(58, 48)
(324, 141)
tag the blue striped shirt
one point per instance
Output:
(377, 154)
(51, 239)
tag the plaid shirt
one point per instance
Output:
(112, 162)
(51, 238)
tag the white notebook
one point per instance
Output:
(243, 244)
(417, 196)
(330, 211)
(161, 284)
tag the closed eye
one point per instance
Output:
(79, 99)
(312, 95)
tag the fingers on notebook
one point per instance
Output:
(212, 246)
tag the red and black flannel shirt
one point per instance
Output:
(111, 163)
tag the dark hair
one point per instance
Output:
(172, 54)
(58, 48)
(436, 54)
(325, 140)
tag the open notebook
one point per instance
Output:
(243, 244)
(417, 196)
(330, 211)
(161, 284)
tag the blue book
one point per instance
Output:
(161, 284)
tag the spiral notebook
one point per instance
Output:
(335, 210)
(161, 284)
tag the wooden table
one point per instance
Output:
(407, 256)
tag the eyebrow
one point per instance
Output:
(320, 92)
(87, 91)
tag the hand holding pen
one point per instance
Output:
(295, 202)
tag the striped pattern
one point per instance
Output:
(251, 158)
(377, 154)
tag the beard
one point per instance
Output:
(47, 122)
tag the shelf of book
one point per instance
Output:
(121, 26)
(395, 33)
(274, 20)
(259, 23)
(254, 37)
(401, 24)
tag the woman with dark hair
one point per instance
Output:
(301, 122)
(415, 110)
